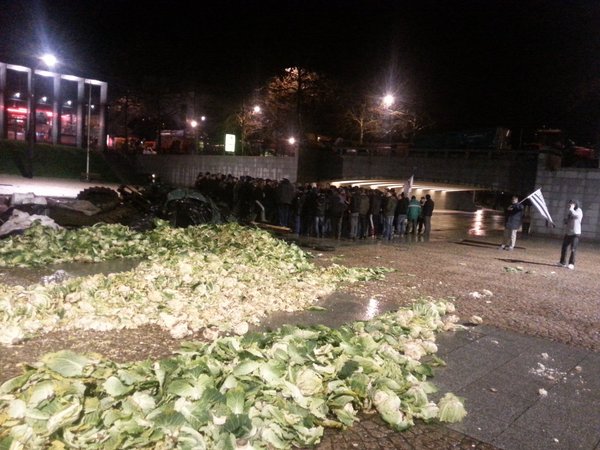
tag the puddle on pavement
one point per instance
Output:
(60, 272)
(340, 308)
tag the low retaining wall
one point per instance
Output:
(182, 170)
(561, 185)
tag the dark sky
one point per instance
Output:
(469, 63)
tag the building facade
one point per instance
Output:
(42, 106)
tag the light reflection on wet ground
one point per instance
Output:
(340, 308)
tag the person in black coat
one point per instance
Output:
(427, 212)
(513, 219)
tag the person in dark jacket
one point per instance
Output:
(375, 212)
(513, 219)
(389, 209)
(354, 212)
(420, 220)
(284, 196)
(401, 211)
(363, 214)
(427, 212)
(337, 208)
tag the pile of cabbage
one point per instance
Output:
(209, 277)
(262, 390)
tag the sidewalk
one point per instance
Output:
(47, 187)
(522, 392)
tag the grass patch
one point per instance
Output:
(55, 161)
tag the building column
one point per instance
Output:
(56, 109)
(2, 102)
(31, 104)
(80, 101)
(102, 116)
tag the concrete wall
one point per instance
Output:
(506, 171)
(182, 170)
(558, 187)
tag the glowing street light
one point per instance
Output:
(256, 109)
(388, 100)
(49, 59)
(292, 140)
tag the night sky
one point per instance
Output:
(524, 63)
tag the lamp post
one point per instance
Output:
(89, 129)
(50, 61)
(387, 101)
(195, 124)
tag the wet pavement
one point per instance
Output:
(521, 392)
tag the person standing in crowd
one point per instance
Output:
(427, 212)
(284, 195)
(363, 214)
(513, 218)
(389, 209)
(297, 208)
(572, 233)
(320, 208)
(413, 214)
(401, 211)
(354, 212)
(375, 213)
(421, 221)
(337, 209)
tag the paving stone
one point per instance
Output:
(517, 438)
(502, 405)
(466, 364)
(448, 342)
(507, 341)
(480, 426)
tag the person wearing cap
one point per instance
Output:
(573, 231)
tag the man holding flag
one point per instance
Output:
(513, 218)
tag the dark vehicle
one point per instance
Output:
(556, 142)
(497, 138)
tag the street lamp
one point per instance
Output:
(50, 61)
(194, 124)
(388, 100)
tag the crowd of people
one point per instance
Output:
(321, 212)
(353, 212)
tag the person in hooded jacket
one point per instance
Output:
(572, 232)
